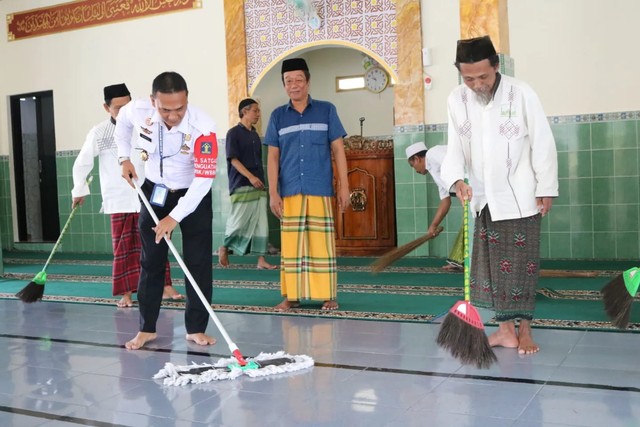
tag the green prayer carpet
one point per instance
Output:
(413, 289)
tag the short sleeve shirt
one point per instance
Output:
(304, 140)
(243, 144)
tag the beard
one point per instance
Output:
(484, 97)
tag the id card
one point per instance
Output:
(159, 195)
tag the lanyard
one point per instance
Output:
(161, 146)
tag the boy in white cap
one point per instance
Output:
(421, 163)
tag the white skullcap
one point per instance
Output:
(415, 149)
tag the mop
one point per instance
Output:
(229, 368)
(35, 289)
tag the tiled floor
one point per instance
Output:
(64, 365)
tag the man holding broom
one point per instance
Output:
(118, 199)
(432, 164)
(499, 135)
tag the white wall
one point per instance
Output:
(579, 55)
(325, 65)
(76, 65)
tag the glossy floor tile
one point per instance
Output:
(64, 364)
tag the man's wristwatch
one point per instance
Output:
(122, 159)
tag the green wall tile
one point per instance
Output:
(581, 191)
(404, 196)
(563, 164)
(602, 162)
(603, 190)
(626, 217)
(625, 133)
(626, 162)
(581, 218)
(560, 245)
(604, 246)
(626, 190)
(559, 218)
(579, 163)
(582, 245)
(602, 135)
(604, 218)
(627, 246)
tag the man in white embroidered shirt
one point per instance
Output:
(178, 143)
(498, 133)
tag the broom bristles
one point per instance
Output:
(617, 302)
(395, 254)
(465, 342)
(31, 293)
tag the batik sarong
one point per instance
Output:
(308, 254)
(126, 254)
(247, 227)
(505, 265)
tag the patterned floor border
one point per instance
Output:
(344, 314)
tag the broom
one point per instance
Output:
(35, 289)
(395, 254)
(617, 296)
(462, 331)
(262, 365)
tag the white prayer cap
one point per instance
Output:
(414, 149)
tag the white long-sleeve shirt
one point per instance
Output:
(117, 194)
(175, 147)
(506, 147)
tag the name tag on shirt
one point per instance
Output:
(159, 195)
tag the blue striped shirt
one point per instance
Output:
(304, 140)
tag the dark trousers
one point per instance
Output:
(197, 248)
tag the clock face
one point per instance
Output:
(376, 79)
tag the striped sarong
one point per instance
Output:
(505, 265)
(308, 255)
(126, 254)
(247, 228)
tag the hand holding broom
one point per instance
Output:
(462, 331)
(397, 253)
(35, 289)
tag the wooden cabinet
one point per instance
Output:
(368, 226)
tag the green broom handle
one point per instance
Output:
(64, 230)
(465, 239)
(232, 346)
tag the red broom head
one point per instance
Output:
(31, 293)
(467, 313)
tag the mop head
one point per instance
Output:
(462, 334)
(227, 369)
(617, 296)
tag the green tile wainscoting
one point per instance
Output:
(595, 217)
(597, 213)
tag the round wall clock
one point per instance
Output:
(376, 79)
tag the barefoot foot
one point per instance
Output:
(223, 256)
(526, 344)
(201, 339)
(169, 292)
(505, 336)
(141, 339)
(330, 305)
(264, 265)
(286, 305)
(125, 301)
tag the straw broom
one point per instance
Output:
(35, 289)
(395, 254)
(617, 296)
(462, 331)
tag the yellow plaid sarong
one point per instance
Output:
(308, 254)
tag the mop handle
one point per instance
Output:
(64, 230)
(465, 239)
(232, 346)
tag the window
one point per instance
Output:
(347, 83)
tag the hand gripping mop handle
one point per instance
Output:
(232, 346)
